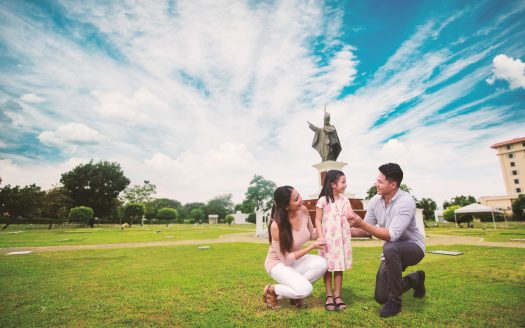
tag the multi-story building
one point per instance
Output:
(511, 155)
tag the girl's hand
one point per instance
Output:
(318, 244)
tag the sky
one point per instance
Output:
(199, 96)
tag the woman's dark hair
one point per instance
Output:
(331, 176)
(281, 199)
(392, 172)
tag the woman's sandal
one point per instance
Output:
(329, 306)
(270, 298)
(341, 305)
(299, 303)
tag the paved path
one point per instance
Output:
(249, 237)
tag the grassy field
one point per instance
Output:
(485, 230)
(24, 235)
(221, 287)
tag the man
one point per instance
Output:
(393, 211)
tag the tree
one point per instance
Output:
(259, 194)
(252, 218)
(198, 215)
(153, 206)
(56, 204)
(95, 185)
(518, 208)
(20, 202)
(220, 205)
(428, 206)
(133, 211)
(372, 191)
(82, 214)
(460, 200)
(229, 219)
(167, 214)
(189, 207)
(140, 194)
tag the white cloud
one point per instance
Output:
(32, 98)
(508, 69)
(70, 133)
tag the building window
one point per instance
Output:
(512, 164)
(511, 155)
(518, 190)
(508, 147)
(516, 181)
(514, 172)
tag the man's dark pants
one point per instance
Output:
(389, 281)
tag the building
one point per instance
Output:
(511, 155)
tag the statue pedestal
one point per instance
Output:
(322, 169)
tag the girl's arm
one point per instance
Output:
(319, 224)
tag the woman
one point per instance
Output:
(287, 262)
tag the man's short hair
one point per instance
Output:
(392, 172)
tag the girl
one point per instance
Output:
(333, 228)
(288, 262)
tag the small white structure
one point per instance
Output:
(213, 218)
(438, 215)
(419, 222)
(261, 223)
(479, 209)
(240, 218)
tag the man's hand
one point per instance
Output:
(356, 221)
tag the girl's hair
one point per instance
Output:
(332, 176)
(281, 199)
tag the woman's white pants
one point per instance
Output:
(295, 281)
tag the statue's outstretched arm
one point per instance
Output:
(312, 127)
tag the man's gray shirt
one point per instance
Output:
(399, 217)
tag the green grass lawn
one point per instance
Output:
(24, 235)
(222, 287)
(485, 230)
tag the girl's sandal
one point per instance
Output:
(340, 305)
(329, 306)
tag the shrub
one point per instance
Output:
(252, 218)
(167, 214)
(518, 208)
(81, 214)
(229, 219)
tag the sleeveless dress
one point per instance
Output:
(337, 234)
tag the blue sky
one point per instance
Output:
(198, 96)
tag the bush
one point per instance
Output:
(229, 219)
(133, 211)
(252, 218)
(81, 214)
(167, 214)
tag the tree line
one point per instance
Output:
(100, 193)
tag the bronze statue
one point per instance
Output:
(326, 141)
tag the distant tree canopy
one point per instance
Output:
(56, 203)
(96, 185)
(259, 195)
(21, 201)
(139, 194)
(372, 191)
(220, 205)
(460, 201)
(153, 206)
(428, 206)
(518, 208)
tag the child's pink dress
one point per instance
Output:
(336, 229)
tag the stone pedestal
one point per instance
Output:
(261, 223)
(322, 169)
